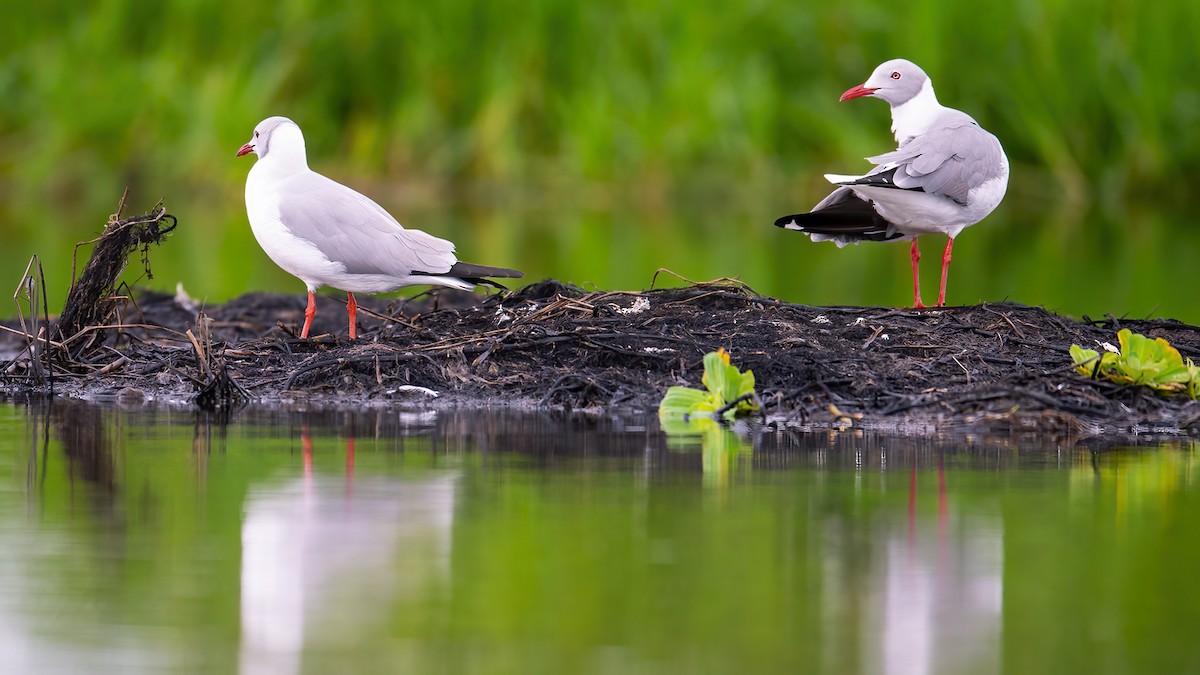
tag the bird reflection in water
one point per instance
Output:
(937, 596)
(325, 557)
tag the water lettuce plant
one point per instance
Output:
(728, 393)
(1141, 361)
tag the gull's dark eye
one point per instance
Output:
(895, 74)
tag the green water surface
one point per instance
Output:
(485, 542)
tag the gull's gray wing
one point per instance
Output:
(948, 160)
(351, 229)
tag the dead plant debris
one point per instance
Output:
(92, 301)
(997, 366)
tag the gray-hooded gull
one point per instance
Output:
(327, 234)
(947, 173)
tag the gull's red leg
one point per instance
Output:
(309, 312)
(352, 310)
(915, 253)
(945, 269)
(306, 450)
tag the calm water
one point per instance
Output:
(415, 541)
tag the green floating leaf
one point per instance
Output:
(1142, 361)
(724, 384)
(681, 401)
(1085, 359)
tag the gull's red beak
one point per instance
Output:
(855, 92)
(244, 149)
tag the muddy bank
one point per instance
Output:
(994, 367)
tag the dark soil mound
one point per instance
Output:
(990, 366)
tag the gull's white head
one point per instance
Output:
(278, 134)
(896, 81)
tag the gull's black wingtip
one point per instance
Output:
(789, 222)
(466, 270)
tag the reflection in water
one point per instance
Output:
(921, 591)
(26, 594)
(461, 541)
(88, 449)
(323, 560)
(937, 589)
(721, 450)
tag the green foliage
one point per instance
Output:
(600, 141)
(1141, 361)
(724, 383)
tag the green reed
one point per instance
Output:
(684, 128)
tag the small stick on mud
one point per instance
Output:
(751, 396)
(201, 358)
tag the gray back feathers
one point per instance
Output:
(951, 159)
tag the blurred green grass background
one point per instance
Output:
(597, 142)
